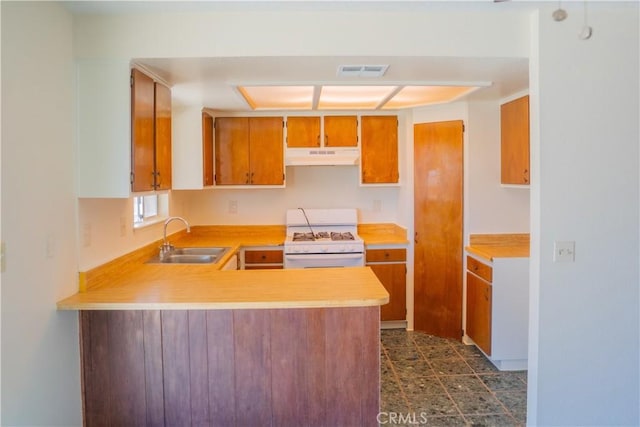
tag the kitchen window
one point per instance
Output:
(150, 209)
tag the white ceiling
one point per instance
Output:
(211, 82)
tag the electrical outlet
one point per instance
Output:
(233, 206)
(123, 226)
(50, 246)
(86, 235)
(3, 249)
(564, 251)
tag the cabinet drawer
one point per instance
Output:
(483, 270)
(386, 255)
(262, 257)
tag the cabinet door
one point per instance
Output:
(207, 149)
(232, 150)
(142, 139)
(514, 133)
(163, 137)
(479, 312)
(303, 132)
(266, 156)
(379, 149)
(340, 131)
(393, 278)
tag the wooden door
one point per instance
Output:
(303, 132)
(163, 137)
(207, 149)
(142, 139)
(340, 131)
(514, 135)
(266, 156)
(232, 150)
(379, 149)
(478, 326)
(438, 171)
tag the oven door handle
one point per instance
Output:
(325, 256)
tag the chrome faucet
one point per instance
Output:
(166, 246)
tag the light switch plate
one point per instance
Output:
(564, 251)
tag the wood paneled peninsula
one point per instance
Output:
(191, 345)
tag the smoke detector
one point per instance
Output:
(362, 70)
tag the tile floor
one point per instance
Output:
(438, 382)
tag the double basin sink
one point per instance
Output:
(191, 255)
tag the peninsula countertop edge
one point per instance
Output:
(131, 284)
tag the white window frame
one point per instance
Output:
(149, 209)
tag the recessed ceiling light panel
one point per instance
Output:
(352, 97)
(278, 97)
(415, 96)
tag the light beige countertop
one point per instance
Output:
(383, 234)
(129, 283)
(191, 287)
(490, 246)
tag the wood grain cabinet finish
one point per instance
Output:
(514, 135)
(263, 259)
(480, 269)
(311, 367)
(249, 151)
(340, 131)
(479, 312)
(207, 150)
(303, 132)
(379, 149)
(150, 134)
(389, 265)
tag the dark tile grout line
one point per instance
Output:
(413, 344)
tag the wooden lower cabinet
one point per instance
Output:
(497, 309)
(479, 312)
(260, 259)
(390, 267)
(310, 367)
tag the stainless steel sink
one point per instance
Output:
(190, 255)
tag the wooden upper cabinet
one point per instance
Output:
(303, 132)
(232, 150)
(162, 137)
(379, 149)
(142, 131)
(249, 151)
(266, 158)
(514, 133)
(207, 149)
(340, 131)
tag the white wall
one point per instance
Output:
(490, 207)
(40, 351)
(105, 229)
(584, 343)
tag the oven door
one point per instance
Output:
(323, 260)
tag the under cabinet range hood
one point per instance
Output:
(322, 156)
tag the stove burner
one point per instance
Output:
(342, 236)
(309, 237)
(303, 237)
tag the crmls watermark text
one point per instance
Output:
(395, 418)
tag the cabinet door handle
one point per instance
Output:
(251, 180)
(415, 237)
(318, 141)
(247, 180)
(326, 140)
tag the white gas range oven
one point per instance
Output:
(322, 238)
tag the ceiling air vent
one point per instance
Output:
(362, 70)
